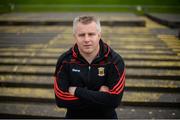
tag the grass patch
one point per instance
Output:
(165, 6)
(95, 2)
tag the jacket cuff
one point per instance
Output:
(78, 91)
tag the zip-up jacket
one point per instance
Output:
(72, 69)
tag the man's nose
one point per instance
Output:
(86, 38)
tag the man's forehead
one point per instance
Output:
(93, 24)
(86, 27)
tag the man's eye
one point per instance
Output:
(81, 35)
(91, 34)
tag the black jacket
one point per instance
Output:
(73, 70)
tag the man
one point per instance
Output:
(90, 77)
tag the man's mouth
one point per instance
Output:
(87, 45)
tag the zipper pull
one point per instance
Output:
(89, 67)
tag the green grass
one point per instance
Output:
(106, 2)
(167, 6)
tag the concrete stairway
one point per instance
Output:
(28, 55)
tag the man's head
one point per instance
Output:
(86, 20)
(87, 33)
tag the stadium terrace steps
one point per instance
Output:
(170, 20)
(20, 19)
(26, 110)
(29, 54)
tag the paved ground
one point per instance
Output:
(167, 17)
(66, 16)
(118, 19)
(28, 56)
(171, 20)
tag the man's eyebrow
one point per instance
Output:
(87, 33)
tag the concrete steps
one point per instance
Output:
(170, 20)
(47, 82)
(39, 19)
(51, 62)
(27, 110)
(28, 56)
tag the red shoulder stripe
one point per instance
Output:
(61, 94)
(120, 80)
(119, 89)
(121, 83)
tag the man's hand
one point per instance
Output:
(72, 90)
(104, 88)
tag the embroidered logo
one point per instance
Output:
(75, 70)
(101, 71)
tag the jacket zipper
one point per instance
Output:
(89, 69)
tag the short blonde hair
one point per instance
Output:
(86, 20)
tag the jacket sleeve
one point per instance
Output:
(61, 84)
(115, 81)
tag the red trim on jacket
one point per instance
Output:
(74, 63)
(62, 95)
(73, 51)
(106, 55)
(59, 93)
(118, 88)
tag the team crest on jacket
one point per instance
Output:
(101, 71)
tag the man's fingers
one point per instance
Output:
(72, 90)
(104, 88)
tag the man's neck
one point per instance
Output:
(91, 57)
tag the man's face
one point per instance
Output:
(87, 38)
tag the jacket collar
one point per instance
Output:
(103, 52)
